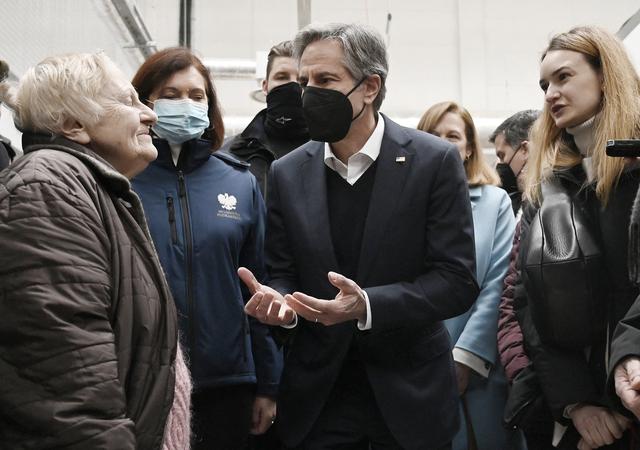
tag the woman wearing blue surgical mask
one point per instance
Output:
(206, 218)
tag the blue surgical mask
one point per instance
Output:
(180, 120)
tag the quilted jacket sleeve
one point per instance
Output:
(60, 386)
(510, 342)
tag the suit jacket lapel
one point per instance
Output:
(313, 182)
(393, 166)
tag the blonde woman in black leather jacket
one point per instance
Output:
(591, 94)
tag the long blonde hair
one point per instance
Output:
(619, 116)
(476, 167)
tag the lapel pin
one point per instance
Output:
(400, 159)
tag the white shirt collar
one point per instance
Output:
(358, 163)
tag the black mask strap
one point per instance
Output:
(356, 86)
(514, 154)
(349, 93)
(360, 113)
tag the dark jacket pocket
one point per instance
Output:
(430, 345)
(404, 347)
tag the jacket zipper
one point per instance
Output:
(172, 220)
(182, 194)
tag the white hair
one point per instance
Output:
(62, 88)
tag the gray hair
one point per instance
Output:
(365, 53)
(516, 128)
(61, 88)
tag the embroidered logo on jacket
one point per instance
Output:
(228, 204)
(227, 201)
(282, 120)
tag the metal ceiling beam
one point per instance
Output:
(184, 32)
(304, 13)
(231, 68)
(630, 24)
(132, 20)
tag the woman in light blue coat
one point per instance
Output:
(481, 380)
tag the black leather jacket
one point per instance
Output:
(569, 377)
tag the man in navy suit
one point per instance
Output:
(369, 247)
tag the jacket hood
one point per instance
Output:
(255, 140)
(250, 140)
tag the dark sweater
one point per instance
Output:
(348, 208)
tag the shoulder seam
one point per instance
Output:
(231, 160)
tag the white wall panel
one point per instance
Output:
(34, 29)
(162, 20)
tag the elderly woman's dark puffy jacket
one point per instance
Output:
(87, 324)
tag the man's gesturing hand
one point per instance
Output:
(349, 304)
(265, 304)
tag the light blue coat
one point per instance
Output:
(476, 330)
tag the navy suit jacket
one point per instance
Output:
(417, 265)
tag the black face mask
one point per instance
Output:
(328, 113)
(507, 177)
(284, 112)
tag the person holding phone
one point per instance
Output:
(591, 94)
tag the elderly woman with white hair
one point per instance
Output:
(88, 334)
